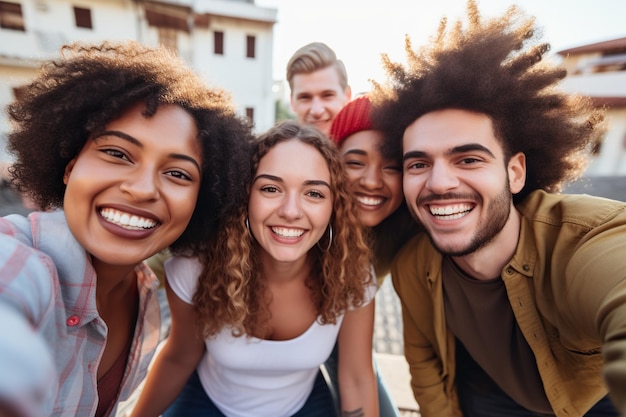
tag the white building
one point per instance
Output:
(598, 70)
(228, 42)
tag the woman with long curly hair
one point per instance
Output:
(128, 152)
(258, 313)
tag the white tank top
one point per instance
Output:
(247, 376)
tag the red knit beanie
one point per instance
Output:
(352, 118)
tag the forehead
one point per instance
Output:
(325, 79)
(369, 141)
(170, 127)
(294, 159)
(442, 130)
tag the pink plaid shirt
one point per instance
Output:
(61, 306)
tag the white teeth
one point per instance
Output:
(284, 232)
(126, 220)
(370, 201)
(451, 212)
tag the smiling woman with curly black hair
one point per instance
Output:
(129, 152)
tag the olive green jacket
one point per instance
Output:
(566, 284)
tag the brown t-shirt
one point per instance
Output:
(479, 314)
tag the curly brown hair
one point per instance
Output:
(231, 291)
(73, 97)
(495, 67)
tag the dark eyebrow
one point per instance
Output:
(356, 152)
(279, 179)
(457, 149)
(317, 182)
(135, 142)
(120, 135)
(268, 177)
(470, 147)
(413, 154)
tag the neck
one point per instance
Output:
(113, 280)
(487, 262)
(275, 272)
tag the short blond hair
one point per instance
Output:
(314, 57)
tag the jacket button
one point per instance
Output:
(72, 320)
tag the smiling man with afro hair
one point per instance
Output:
(514, 297)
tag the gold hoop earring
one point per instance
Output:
(330, 239)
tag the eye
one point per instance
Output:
(269, 189)
(353, 163)
(416, 165)
(115, 153)
(179, 175)
(315, 194)
(469, 160)
(393, 168)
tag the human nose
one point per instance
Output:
(372, 178)
(317, 106)
(441, 179)
(290, 207)
(141, 185)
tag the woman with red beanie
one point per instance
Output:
(374, 168)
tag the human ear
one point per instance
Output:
(348, 93)
(68, 171)
(517, 172)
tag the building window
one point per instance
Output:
(82, 17)
(11, 16)
(218, 43)
(167, 18)
(19, 92)
(168, 38)
(250, 46)
(250, 114)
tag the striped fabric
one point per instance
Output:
(61, 306)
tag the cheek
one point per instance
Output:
(336, 106)
(185, 204)
(353, 178)
(397, 194)
(408, 186)
(395, 185)
(326, 214)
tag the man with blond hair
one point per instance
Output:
(319, 85)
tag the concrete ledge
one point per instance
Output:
(395, 372)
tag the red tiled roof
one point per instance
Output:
(610, 45)
(609, 101)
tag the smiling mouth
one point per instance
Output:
(452, 212)
(126, 220)
(314, 121)
(287, 232)
(370, 201)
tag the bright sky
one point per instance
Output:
(360, 30)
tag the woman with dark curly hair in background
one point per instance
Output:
(128, 152)
(257, 314)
